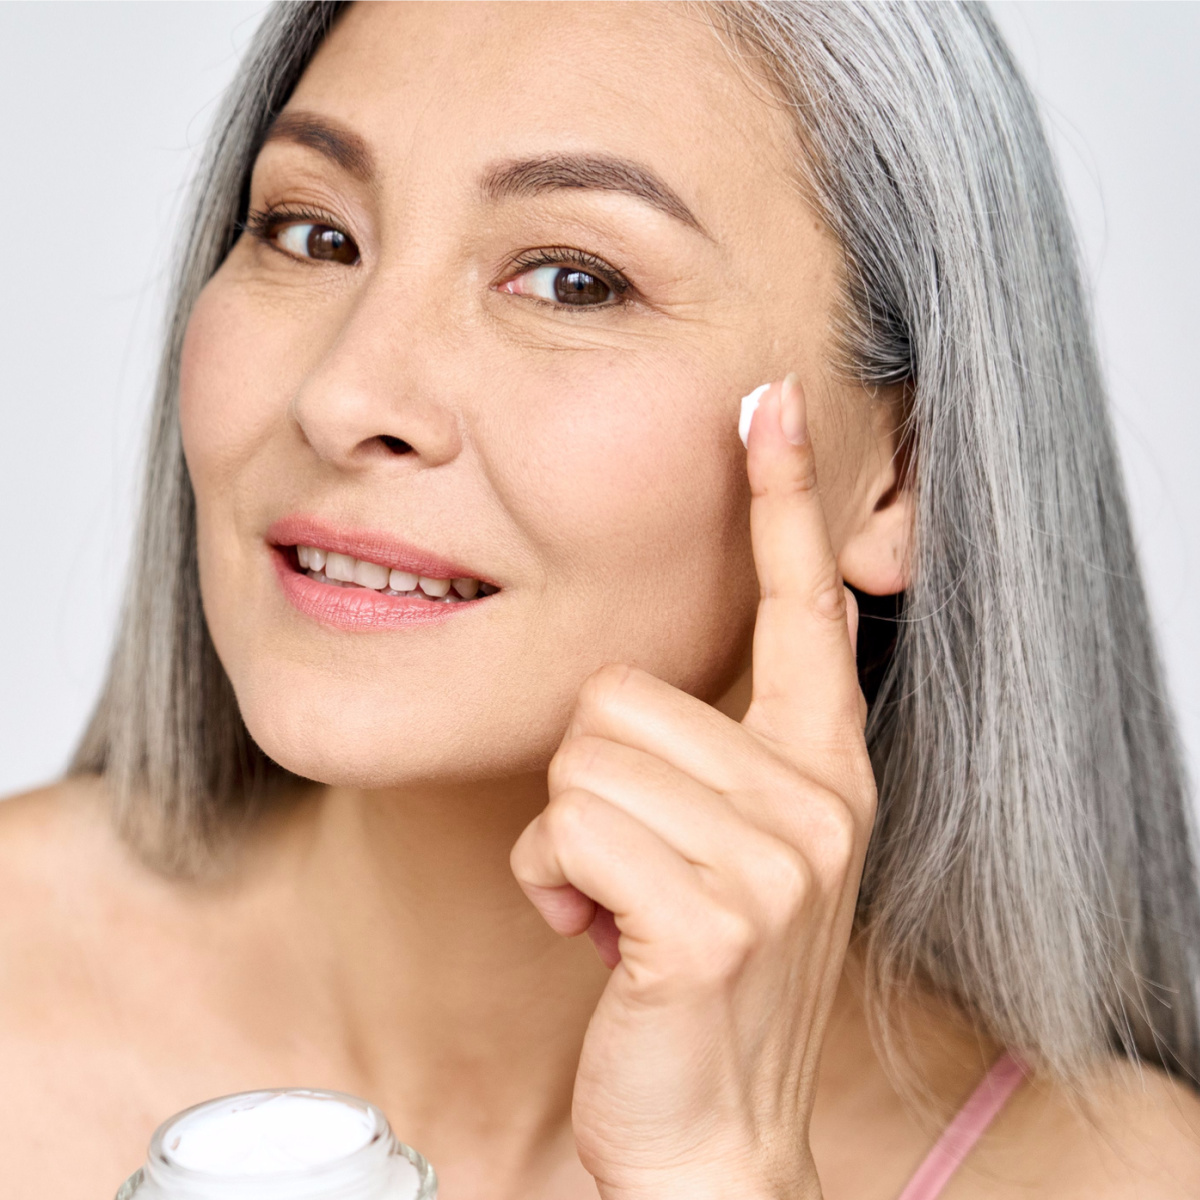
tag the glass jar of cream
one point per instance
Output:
(281, 1144)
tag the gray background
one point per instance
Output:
(104, 109)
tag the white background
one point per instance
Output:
(104, 108)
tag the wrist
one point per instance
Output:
(730, 1189)
(713, 1183)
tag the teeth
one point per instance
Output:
(342, 568)
(370, 575)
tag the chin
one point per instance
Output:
(330, 732)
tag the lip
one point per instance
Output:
(355, 608)
(370, 545)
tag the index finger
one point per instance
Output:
(805, 676)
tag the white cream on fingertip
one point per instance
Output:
(749, 405)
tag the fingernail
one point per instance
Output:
(791, 410)
(749, 405)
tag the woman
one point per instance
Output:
(462, 623)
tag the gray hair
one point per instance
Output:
(1032, 859)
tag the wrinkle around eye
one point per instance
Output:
(538, 328)
(641, 321)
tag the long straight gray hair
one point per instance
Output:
(1032, 860)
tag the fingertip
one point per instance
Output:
(749, 407)
(565, 909)
(793, 412)
(764, 440)
(786, 405)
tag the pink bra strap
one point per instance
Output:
(968, 1126)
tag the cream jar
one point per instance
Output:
(280, 1144)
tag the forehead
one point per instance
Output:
(450, 85)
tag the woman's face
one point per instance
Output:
(513, 268)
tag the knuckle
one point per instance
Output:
(829, 598)
(804, 481)
(573, 762)
(604, 686)
(522, 859)
(841, 831)
(833, 831)
(566, 816)
(796, 482)
(786, 883)
(858, 787)
(561, 772)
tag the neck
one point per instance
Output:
(414, 948)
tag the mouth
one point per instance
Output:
(362, 581)
(345, 571)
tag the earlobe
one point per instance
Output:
(876, 558)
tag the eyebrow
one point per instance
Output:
(512, 178)
(336, 143)
(596, 172)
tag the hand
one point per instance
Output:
(716, 865)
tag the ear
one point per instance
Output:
(876, 557)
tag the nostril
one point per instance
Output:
(394, 444)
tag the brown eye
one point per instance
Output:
(578, 287)
(563, 285)
(306, 239)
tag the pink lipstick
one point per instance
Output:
(366, 580)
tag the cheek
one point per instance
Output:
(620, 460)
(229, 390)
(632, 481)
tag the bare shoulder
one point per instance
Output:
(45, 812)
(39, 829)
(1133, 1135)
(62, 1039)
(56, 872)
(78, 908)
(49, 843)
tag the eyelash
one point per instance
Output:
(556, 256)
(263, 224)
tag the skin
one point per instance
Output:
(653, 732)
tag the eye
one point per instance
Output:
(565, 277)
(303, 235)
(311, 240)
(561, 285)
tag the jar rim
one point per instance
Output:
(354, 1173)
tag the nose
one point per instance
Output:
(376, 393)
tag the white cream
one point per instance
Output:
(265, 1133)
(750, 405)
(280, 1144)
